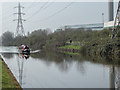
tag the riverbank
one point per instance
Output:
(103, 47)
(8, 79)
(71, 47)
(92, 43)
(68, 50)
(99, 47)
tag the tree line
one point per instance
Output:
(40, 39)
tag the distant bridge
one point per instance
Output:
(96, 26)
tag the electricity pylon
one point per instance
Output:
(20, 28)
(116, 28)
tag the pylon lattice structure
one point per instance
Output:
(20, 28)
(116, 28)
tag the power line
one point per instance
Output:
(49, 4)
(30, 6)
(49, 17)
(59, 11)
(39, 10)
(9, 16)
(20, 28)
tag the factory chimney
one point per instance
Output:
(110, 10)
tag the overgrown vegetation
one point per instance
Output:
(7, 81)
(36, 40)
(94, 43)
(97, 42)
(71, 46)
(42, 39)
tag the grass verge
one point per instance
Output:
(7, 80)
(71, 46)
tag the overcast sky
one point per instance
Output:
(53, 15)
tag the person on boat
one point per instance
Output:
(21, 46)
(26, 47)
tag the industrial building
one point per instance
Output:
(111, 22)
(100, 26)
(94, 26)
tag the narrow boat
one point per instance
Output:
(24, 49)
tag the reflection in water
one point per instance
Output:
(114, 77)
(25, 56)
(118, 77)
(21, 65)
(53, 69)
(81, 67)
(7, 55)
(63, 62)
(64, 66)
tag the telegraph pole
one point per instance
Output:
(20, 28)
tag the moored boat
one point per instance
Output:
(24, 49)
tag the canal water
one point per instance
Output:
(58, 70)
